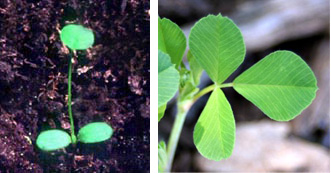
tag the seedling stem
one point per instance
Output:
(72, 128)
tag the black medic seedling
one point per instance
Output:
(76, 37)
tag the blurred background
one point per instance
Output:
(300, 145)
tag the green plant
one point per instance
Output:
(281, 84)
(76, 37)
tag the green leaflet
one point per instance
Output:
(171, 40)
(168, 79)
(53, 139)
(95, 132)
(162, 161)
(281, 85)
(217, 44)
(76, 37)
(214, 133)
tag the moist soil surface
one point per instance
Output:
(110, 83)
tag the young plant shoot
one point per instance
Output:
(76, 37)
(281, 85)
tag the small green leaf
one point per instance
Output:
(53, 139)
(171, 40)
(214, 133)
(168, 79)
(196, 69)
(161, 111)
(162, 156)
(95, 132)
(217, 44)
(281, 85)
(76, 37)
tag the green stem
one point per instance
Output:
(174, 136)
(209, 89)
(73, 136)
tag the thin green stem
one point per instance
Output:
(209, 89)
(72, 127)
(203, 92)
(174, 136)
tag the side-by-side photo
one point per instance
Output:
(244, 86)
(74, 86)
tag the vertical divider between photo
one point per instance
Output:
(153, 86)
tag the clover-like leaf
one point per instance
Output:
(95, 132)
(77, 37)
(168, 79)
(53, 139)
(171, 40)
(214, 133)
(281, 85)
(217, 44)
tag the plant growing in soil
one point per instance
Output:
(281, 85)
(76, 37)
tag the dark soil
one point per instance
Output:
(110, 83)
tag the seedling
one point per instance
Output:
(281, 85)
(76, 37)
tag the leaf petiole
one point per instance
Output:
(209, 89)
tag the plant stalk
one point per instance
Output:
(209, 89)
(72, 128)
(175, 133)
